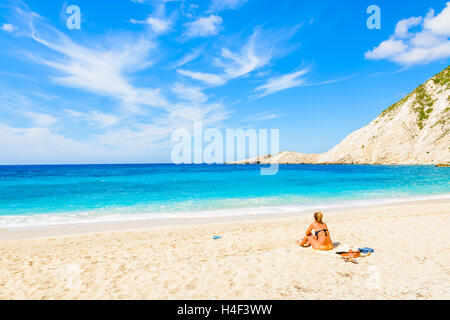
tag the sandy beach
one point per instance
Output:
(253, 260)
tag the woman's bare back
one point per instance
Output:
(322, 235)
(321, 239)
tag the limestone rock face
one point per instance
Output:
(415, 130)
(284, 157)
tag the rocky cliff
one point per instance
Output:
(415, 130)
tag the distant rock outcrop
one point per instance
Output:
(415, 130)
(285, 157)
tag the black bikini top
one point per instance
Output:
(324, 230)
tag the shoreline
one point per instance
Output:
(253, 259)
(61, 230)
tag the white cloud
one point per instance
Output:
(43, 146)
(254, 54)
(103, 68)
(136, 142)
(227, 4)
(158, 21)
(99, 70)
(208, 78)
(193, 94)
(187, 113)
(30, 105)
(439, 24)
(187, 58)
(417, 40)
(263, 116)
(387, 49)
(158, 25)
(8, 27)
(251, 57)
(95, 117)
(203, 27)
(40, 119)
(39, 145)
(402, 27)
(284, 82)
(104, 119)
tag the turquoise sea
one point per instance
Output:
(61, 194)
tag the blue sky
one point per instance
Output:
(114, 90)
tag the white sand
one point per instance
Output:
(253, 260)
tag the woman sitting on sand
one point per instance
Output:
(321, 240)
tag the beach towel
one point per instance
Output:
(338, 249)
(349, 254)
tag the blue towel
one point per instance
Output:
(366, 250)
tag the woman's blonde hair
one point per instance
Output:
(318, 216)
